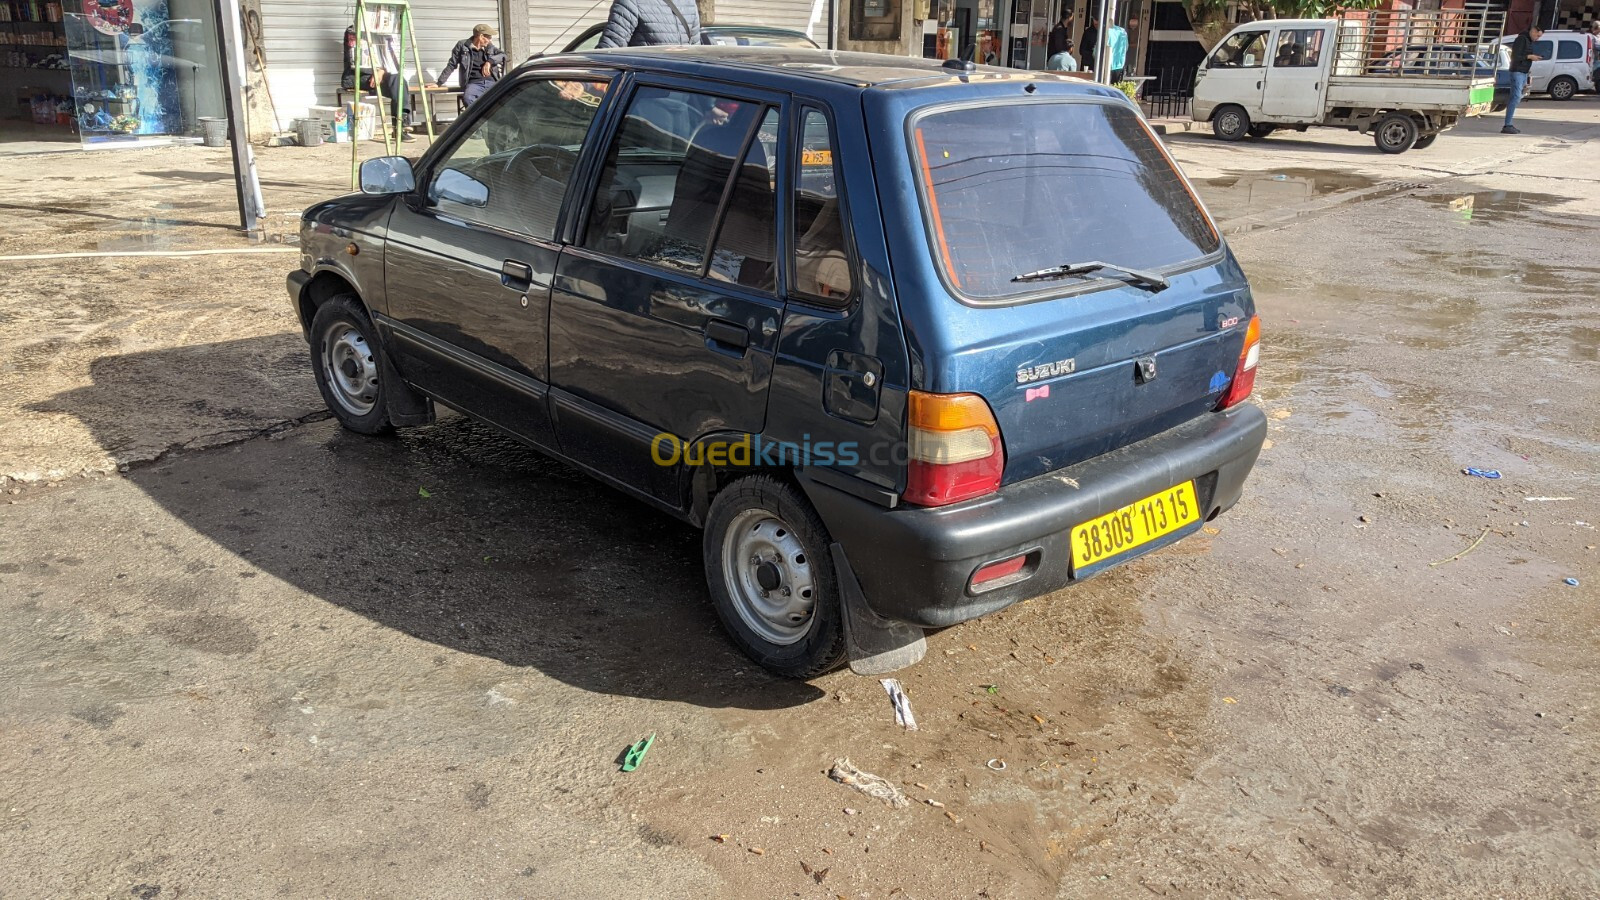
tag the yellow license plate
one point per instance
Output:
(1134, 525)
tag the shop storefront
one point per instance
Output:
(1016, 33)
(107, 72)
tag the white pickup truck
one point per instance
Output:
(1402, 76)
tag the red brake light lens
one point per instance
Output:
(955, 449)
(1244, 376)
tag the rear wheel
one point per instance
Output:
(1230, 123)
(1261, 131)
(1425, 141)
(1396, 133)
(772, 579)
(347, 360)
(1563, 88)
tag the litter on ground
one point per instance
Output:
(867, 783)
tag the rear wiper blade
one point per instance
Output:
(1148, 280)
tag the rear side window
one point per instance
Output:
(667, 176)
(1013, 188)
(1543, 49)
(1570, 50)
(821, 261)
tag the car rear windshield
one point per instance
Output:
(1014, 188)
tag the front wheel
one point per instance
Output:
(347, 360)
(1396, 133)
(1230, 123)
(772, 579)
(1563, 88)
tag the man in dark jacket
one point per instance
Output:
(645, 23)
(1522, 60)
(480, 62)
(1061, 35)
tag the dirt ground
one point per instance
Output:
(273, 658)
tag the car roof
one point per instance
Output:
(836, 66)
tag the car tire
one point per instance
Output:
(771, 577)
(347, 360)
(1563, 88)
(1395, 133)
(1230, 123)
(1262, 131)
(1425, 142)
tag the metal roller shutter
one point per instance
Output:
(553, 24)
(304, 41)
(808, 16)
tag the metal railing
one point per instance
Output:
(1170, 94)
(1413, 43)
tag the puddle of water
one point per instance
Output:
(1491, 207)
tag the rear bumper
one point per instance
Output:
(914, 564)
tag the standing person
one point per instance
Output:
(480, 62)
(1061, 35)
(1091, 43)
(1116, 51)
(648, 23)
(1522, 60)
(1594, 51)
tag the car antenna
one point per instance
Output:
(563, 34)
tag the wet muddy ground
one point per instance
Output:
(311, 663)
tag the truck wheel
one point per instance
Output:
(1563, 88)
(1425, 142)
(1230, 123)
(347, 360)
(1396, 133)
(1261, 131)
(772, 579)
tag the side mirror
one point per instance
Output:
(387, 175)
(459, 187)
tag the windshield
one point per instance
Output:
(1013, 188)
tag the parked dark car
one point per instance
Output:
(910, 341)
(714, 35)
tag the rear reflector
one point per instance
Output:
(1244, 377)
(955, 451)
(997, 570)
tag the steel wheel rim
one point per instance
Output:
(769, 576)
(1229, 122)
(1394, 134)
(350, 368)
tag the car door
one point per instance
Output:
(1572, 60)
(1236, 71)
(471, 253)
(1539, 73)
(1295, 76)
(665, 309)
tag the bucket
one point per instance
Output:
(214, 131)
(310, 131)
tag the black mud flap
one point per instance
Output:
(874, 644)
(405, 405)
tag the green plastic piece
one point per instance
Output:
(635, 754)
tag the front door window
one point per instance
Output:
(511, 171)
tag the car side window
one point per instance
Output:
(1543, 49)
(1245, 50)
(746, 248)
(821, 258)
(1570, 50)
(512, 170)
(667, 171)
(1298, 48)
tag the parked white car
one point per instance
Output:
(1566, 65)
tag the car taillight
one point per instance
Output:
(955, 449)
(1244, 377)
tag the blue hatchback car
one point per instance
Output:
(910, 341)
